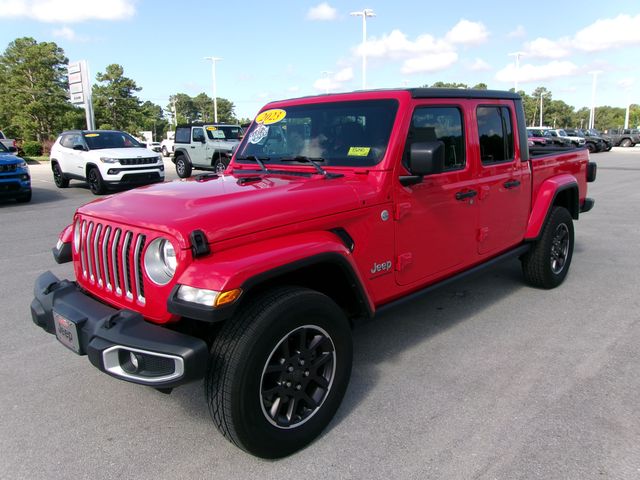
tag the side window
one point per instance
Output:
(183, 135)
(444, 124)
(496, 134)
(198, 135)
(66, 142)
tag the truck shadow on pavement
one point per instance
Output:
(395, 332)
(39, 196)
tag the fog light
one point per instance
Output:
(133, 358)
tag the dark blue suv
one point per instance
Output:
(15, 179)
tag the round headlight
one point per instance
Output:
(160, 261)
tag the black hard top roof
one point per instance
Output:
(462, 93)
(206, 124)
(93, 131)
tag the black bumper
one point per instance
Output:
(587, 205)
(106, 335)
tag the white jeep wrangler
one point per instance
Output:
(204, 147)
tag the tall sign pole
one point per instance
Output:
(80, 90)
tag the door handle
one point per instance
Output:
(511, 184)
(466, 194)
(193, 146)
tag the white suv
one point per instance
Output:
(104, 159)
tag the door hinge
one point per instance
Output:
(483, 233)
(402, 210)
(403, 261)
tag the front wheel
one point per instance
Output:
(626, 143)
(279, 371)
(591, 147)
(96, 184)
(547, 263)
(165, 152)
(58, 177)
(183, 167)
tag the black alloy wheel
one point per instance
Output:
(58, 177)
(96, 184)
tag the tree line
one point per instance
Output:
(34, 100)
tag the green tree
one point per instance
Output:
(185, 109)
(33, 88)
(480, 86)
(114, 99)
(152, 119)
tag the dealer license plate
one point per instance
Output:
(66, 332)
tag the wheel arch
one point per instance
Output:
(559, 191)
(88, 167)
(181, 151)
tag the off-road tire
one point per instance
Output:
(94, 179)
(183, 166)
(241, 369)
(626, 143)
(547, 263)
(58, 177)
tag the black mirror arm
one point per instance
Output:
(408, 180)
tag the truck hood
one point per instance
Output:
(228, 206)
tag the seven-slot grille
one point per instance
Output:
(138, 161)
(111, 258)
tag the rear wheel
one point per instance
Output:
(96, 184)
(547, 263)
(165, 152)
(626, 143)
(279, 371)
(58, 176)
(183, 167)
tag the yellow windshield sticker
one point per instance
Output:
(211, 128)
(271, 116)
(358, 151)
(92, 135)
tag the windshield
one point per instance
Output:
(340, 133)
(224, 132)
(102, 140)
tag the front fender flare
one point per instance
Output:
(249, 265)
(543, 201)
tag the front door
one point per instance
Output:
(436, 219)
(198, 150)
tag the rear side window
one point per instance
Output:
(496, 134)
(183, 135)
(66, 141)
(444, 124)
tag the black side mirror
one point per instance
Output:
(143, 145)
(13, 149)
(425, 158)
(78, 146)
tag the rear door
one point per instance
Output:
(504, 180)
(436, 218)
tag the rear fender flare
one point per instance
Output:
(546, 198)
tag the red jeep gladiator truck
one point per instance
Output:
(332, 208)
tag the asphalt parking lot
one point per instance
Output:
(487, 378)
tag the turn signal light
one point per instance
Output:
(228, 297)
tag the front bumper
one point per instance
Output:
(118, 342)
(16, 184)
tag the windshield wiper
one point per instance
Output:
(313, 161)
(260, 161)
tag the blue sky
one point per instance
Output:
(288, 48)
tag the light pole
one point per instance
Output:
(215, 93)
(517, 56)
(367, 12)
(592, 113)
(542, 94)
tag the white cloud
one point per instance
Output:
(479, 65)
(322, 11)
(626, 83)
(331, 82)
(545, 48)
(609, 33)
(467, 33)
(66, 33)
(434, 62)
(536, 73)
(396, 45)
(67, 11)
(519, 32)
(293, 89)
